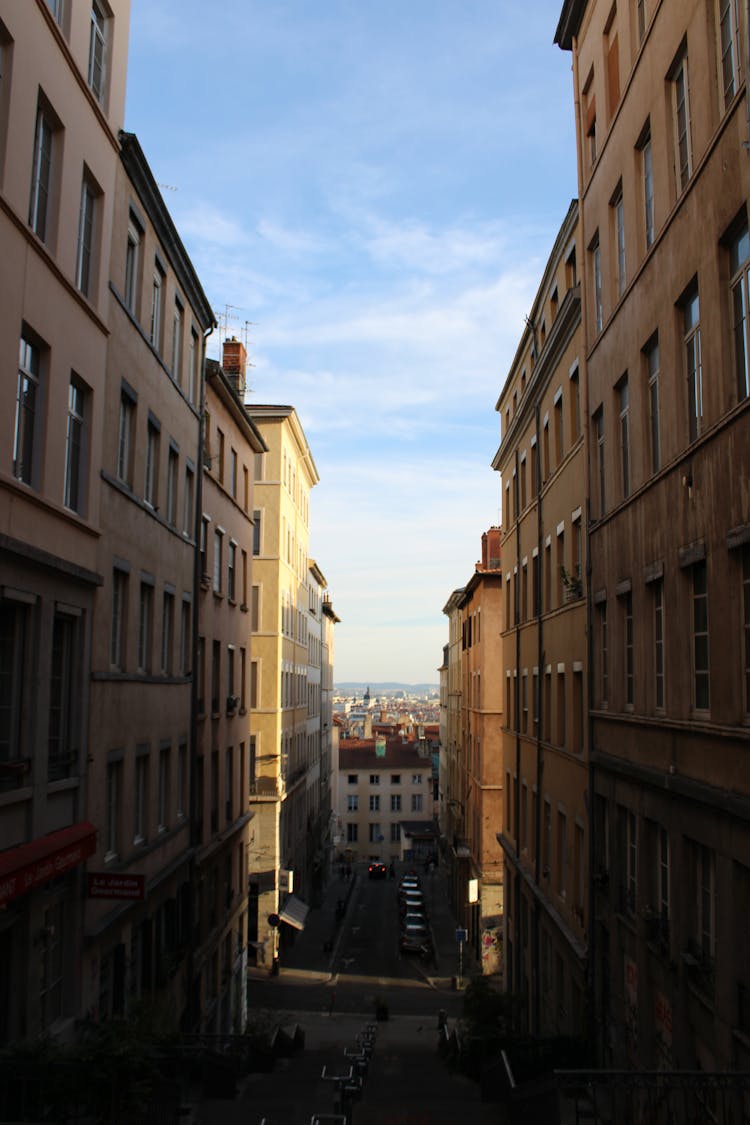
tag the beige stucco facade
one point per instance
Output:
(58, 140)
(544, 828)
(139, 764)
(284, 479)
(661, 102)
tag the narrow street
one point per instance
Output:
(332, 994)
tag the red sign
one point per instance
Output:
(105, 884)
(30, 865)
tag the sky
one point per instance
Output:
(369, 193)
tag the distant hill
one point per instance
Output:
(357, 688)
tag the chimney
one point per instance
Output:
(493, 548)
(234, 362)
(484, 550)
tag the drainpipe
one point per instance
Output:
(538, 711)
(193, 1009)
(517, 701)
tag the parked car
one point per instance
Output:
(410, 902)
(377, 870)
(410, 896)
(416, 943)
(413, 918)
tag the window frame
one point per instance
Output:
(75, 446)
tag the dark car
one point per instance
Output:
(412, 901)
(377, 870)
(413, 918)
(416, 939)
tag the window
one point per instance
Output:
(618, 212)
(374, 779)
(74, 446)
(163, 811)
(729, 46)
(575, 404)
(215, 677)
(662, 874)
(254, 608)
(416, 779)
(97, 42)
(681, 118)
(603, 653)
(376, 836)
(152, 464)
(56, 7)
(651, 353)
(233, 473)
(589, 117)
(220, 454)
(125, 437)
(704, 872)
(257, 537)
(254, 684)
(596, 275)
(641, 17)
(145, 624)
(157, 288)
(218, 544)
(64, 674)
(416, 802)
(140, 802)
(114, 797)
(231, 571)
(181, 789)
(41, 174)
(24, 443)
(559, 429)
(172, 460)
(693, 366)
(185, 631)
(562, 844)
(395, 779)
(375, 802)
(624, 407)
(647, 173)
(600, 460)
(119, 617)
(352, 802)
(195, 355)
(52, 964)
(351, 779)
(627, 621)
(395, 833)
(631, 862)
(85, 250)
(132, 264)
(739, 257)
(658, 602)
(395, 802)
(352, 833)
(701, 685)
(167, 633)
(187, 517)
(176, 366)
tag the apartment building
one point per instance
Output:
(476, 802)
(138, 911)
(662, 124)
(285, 476)
(544, 826)
(62, 95)
(329, 621)
(383, 801)
(221, 830)
(450, 761)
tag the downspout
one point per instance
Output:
(536, 952)
(747, 74)
(517, 700)
(193, 1011)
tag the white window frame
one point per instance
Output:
(97, 50)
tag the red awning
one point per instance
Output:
(30, 865)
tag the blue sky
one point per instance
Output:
(370, 191)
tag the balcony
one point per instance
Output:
(264, 789)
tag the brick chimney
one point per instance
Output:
(493, 548)
(234, 362)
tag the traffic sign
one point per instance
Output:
(461, 934)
